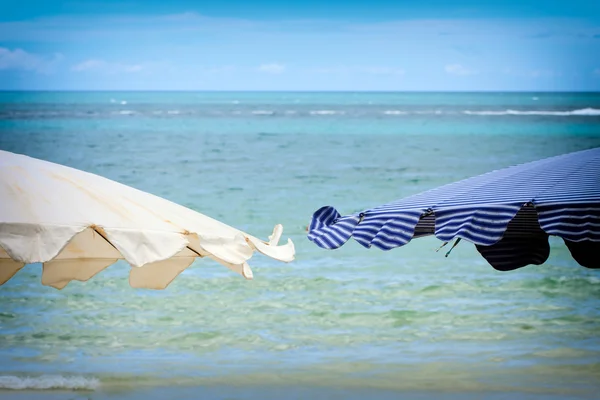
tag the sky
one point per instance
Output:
(311, 45)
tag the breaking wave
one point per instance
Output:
(395, 112)
(326, 112)
(46, 382)
(261, 113)
(583, 111)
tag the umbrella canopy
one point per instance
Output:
(508, 214)
(78, 223)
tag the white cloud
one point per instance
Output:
(101, 66)
(373, 70)
(94, 65)
(457, 69)
(19, 59)
(273, 68)
(87, 65)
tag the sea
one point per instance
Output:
(351, 323)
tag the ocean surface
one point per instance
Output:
(350, 323)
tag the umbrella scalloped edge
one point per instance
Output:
(508, 236)
(157, 257)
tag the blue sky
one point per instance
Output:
(300, 45)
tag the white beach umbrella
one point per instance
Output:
(77, 223)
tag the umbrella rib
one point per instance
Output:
(104, 237)
(194, 251)
(108, 241)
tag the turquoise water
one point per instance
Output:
(343, 323)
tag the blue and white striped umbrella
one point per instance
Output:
(508, 214)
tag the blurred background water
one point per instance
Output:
(408, 320)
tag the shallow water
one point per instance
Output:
(332, 322)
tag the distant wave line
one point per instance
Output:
(579, 112)
(201, 112)
(46, 382)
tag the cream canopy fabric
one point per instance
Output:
(77, 223)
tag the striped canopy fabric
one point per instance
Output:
(508, 214)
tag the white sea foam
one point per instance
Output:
(326, 112)
(586, 111)
(468, 112)
(581, 112)
(123, 102)
(263, 112)
(395, 112)
(45, 382)
(174, 112)
(126, 112)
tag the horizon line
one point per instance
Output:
(294, 91)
